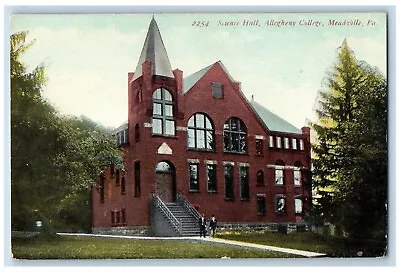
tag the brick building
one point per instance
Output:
(196, 144)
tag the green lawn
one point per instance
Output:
(67, 247)
(331, 245)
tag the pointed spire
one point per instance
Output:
(154, 51)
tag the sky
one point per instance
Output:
(88, 56)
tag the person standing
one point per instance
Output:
(213, 226)
(202, 225)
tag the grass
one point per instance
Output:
(331, 245)
(68, 247)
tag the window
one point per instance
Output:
(235, 134)
(297, 177)
(112, 217)
(136, 169)
(260, 177)
(280, 201)
(278, 142)
(228, 173)
(200, 132)
(126, 133)
(193, 177)
(279, 174)
(123, 216)
(301, 144)
(286, 143)
(298, 205)
(137, 133)
(217, 90)
(101, 185)
(294, 144)
(118, 217)
(261, 204)
(163, 117)
(123, 185)
(259, 147)
(244, 183)
(211, 177)
(117, 177)
(271, 141)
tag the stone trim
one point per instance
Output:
(181, 128)
(128, 231)
(147, 125)
(243, 164)
(286, 167)
(228, 163)
(210, 162)
(259, 137)
(193, 160)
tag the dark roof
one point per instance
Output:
(154, 51)
(272, 121)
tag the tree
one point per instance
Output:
(54, 159)
(350, 156)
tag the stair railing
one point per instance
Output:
(177, 224)
(182, 201)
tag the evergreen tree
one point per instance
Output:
(350, 156)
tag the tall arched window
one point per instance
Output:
(163, 114)
(235, 136)
(200, 132)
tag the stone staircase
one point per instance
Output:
(190, 225)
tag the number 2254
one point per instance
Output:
(200, 23)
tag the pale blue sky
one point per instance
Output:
(88, 56)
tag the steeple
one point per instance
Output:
(154, 52)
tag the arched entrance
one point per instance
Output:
(165, 181)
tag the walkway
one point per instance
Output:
(209, 240)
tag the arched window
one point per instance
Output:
(163, 114)
(260, 177)
(235, 136)
(200, 132)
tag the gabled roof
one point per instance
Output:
(272, 121)
(154, 51)
(189, 81)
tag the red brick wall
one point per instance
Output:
(199, 99)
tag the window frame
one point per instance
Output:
(263, 211)
(299, 200)
(258, 178)
(163, 117)
(230, 134)
(196, 128)
(231, 182)
(197, 177)
(297, 170)
(259, 147)
(214, 181)
(284, 210)
(244, 184)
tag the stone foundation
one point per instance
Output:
(273, 227)
(128, 231)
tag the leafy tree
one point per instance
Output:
(350, 156)
(54, 159)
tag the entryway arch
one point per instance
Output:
(165, 182)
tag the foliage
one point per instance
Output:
(350, 155)
(117, 248)
(54, 159)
